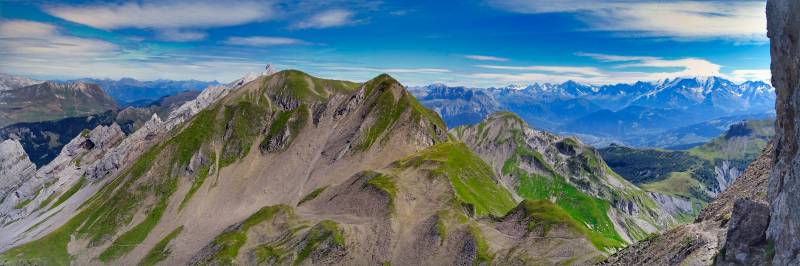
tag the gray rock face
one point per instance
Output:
(15, 167)
(673, 205)
(783, 26)
(726, 174)
(131, 146)
(61, 173)
(746, 241)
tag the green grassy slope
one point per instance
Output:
(590, 213)
(471, 178)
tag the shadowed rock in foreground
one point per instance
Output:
(783, 26)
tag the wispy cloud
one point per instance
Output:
(522, 78)
(485, 58)
(45, 41)
(45, 50)
(628, 69)
(263, 41)
(177, 21)
(587, 71)
(689, 66)
(327, 19)
(734, 20)
(615, 58)
(166, 15)
(751, 74)
(390, 70)
(181, 35)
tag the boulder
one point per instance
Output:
(746, 243)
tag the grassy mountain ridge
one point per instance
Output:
(294, 169)
(141, 195)
(537, 165)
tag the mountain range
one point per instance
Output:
(52, 100)
(622, 113)
(287, 168)
(9, 82)
(132, 92)
(45, 116)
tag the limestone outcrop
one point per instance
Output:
(15, 167)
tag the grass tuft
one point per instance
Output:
(64, 197)
(231, 241)
(312, 195)
(325, 230)
(160, 251)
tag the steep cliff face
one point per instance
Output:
(34, 191)
(783, 28)
(15, 167)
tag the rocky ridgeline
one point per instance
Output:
(93, 155)
(139, 141)
(30, 190)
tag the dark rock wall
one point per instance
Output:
(783, 26)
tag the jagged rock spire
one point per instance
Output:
(269, 70)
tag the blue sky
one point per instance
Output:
(471, 43)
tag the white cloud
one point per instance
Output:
(629, 71)
(263, 41)
(181, 35)
(390, 70)
(689, 66)
(164, 15)
(485, 58)
(735, 20)
(326, 19)
(615, 58)
(587, 71)
(44, 41)
(43, 50)
(751, 74)
(521, 78)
